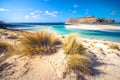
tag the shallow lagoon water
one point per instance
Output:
(62, 30)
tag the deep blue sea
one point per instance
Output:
(60, 28)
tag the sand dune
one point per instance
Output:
(104, 60)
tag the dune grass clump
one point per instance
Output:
(5, 48)
(105, 43)
(76, 60)
(101, 49)
(114, 46)
(39, 42)
(79, 63)
(72, 46)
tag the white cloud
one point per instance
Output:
(4, 10)
(52, 14)
(113, 13)
(74, 12)
(35, 16)
(35, 12)
(26, 16)
(38, 11)
(75, 5)
(32, 13)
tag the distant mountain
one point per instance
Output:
(89, 20)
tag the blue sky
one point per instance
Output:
(57, 10)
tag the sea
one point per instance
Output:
(61, 29)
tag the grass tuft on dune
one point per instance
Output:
(6, 48)
(79, 63)
(76, 60)
(39, 42)
(72, 46)
(112, 45)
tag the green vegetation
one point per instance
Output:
(39, 42)
(79, 63)
(72, 46)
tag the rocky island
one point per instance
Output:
(89, 20)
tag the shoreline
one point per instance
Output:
(92, 39)
(93, 27)
(18, 31)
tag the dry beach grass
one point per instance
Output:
(79, 63)
(39, 42)
(99, 61)
(72, 45)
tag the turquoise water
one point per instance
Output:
(62, 30)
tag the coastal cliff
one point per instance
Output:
(89, 20)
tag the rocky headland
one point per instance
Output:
(89, 20)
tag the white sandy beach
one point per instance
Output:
(59, 39)
(93, 27)
(105, 62)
